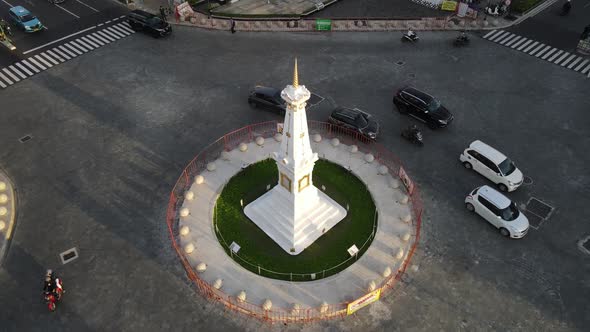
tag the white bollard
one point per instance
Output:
(3, 198)
(400, 253)
(260, 141)
(369, 158)
(295, 309)
(184, 230)
(189, 195)
(2, 185)
(184, 212)
(371, 287)
(394, 183)
(407, 218)
(404, 199)
(267, 305)
(243, 147)
(211, 166)
(201, 267)
(199, 179)
(383, 170)
(335, 142)
(324, 307)
(317, 138)
(278, 137)
(218, 283)
(189, 248)
(406, 237)
(354, 148)
(386, 272)
(242, 296)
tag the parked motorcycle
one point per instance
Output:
(495, 10)
(410, 36)
(413, 134)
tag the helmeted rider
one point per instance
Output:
(52, 284)
(411, 33)
(463, 36)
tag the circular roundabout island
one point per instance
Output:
(206, 221)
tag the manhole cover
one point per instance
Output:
(314, 100)
(68, 255)
(534, 220)
(539, 208)
(586, 244)
(25, 138)
(400, 63)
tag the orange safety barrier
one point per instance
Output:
(268, 129)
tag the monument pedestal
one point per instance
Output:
(294, 229)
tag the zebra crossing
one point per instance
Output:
(103, 34)
(539, 50)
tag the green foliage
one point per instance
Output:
(326, 252)
(521, 6)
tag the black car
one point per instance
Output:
(140, 20)
(355, 119)
(266, 97)
(423, 107)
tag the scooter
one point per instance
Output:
(413, 135)
(51, 298)
(461, 40)
(410, 36)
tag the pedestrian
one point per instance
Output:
(163, 13)
(232, 25)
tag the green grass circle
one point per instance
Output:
(330, 250)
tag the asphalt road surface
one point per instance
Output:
(112, 130)
(551, 28)
(61, 20)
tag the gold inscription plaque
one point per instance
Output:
(285, 182)
(303, 182)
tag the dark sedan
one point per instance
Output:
(423, 107)
(140, 20)
(355, 119)
(268, 98)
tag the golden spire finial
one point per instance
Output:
(295, 76)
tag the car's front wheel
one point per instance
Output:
(504, 232)
(469, 207)
(467, 165)
(502, 187)
(253, 104)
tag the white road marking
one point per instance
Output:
(526, 50)
(555, 56)
(61, 54)
(58, 40)
(83, 45)
(114, 32)
(507, 39)
(61, 59)
(514, 40)
(31, 66)
(524, 45)
(585, 69)
(38, 57)
(16, 79)
(17, 71)
(120, 30)
(33, 61)
(97, 36)
(90, 42)
(536, 51)
(522, 40)
(542, 51)
(4, 86)
(574, 63)
(49, 58)
(69, 45)
(94, 39)
(96, 10)
(7, 3)
(561, 58)
(23, 68)
(106, 36)
(125, 27)
(73, 55)
(67, 11)
(6, 79)
(500, 35)
(568, 60)
(489, 34)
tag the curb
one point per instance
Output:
(7, 213)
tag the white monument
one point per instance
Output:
(295, 213)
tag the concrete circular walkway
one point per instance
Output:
(386, 253)
(7, 212)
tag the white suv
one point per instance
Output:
(498, 210)
(492, 164)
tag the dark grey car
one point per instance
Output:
(355, 119)
(422, 106)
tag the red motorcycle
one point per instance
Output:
(51, 298)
